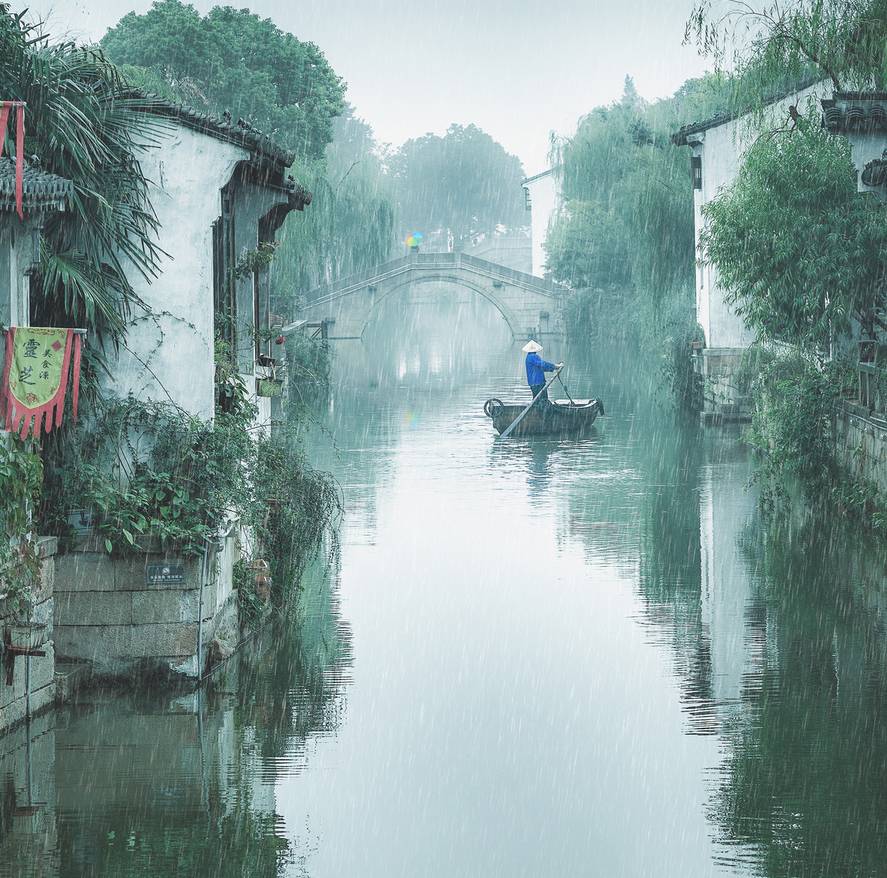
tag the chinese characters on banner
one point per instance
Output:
(35, 378)
(19, 108)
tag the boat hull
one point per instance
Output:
(545, 419)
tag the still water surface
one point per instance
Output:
(534, 658)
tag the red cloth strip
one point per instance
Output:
(59, 401)
(19, 159)
(75, 377)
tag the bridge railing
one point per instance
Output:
(520, 278)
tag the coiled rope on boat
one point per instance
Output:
(493, 406)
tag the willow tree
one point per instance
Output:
(844, 40)
(629, 209)
(80, 128)
(350, 226)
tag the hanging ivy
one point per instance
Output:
(21, 477)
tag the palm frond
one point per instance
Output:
(85, 126)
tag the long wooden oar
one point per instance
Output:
(506, 433)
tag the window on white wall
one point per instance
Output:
(696, 170)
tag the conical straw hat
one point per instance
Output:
(532, 347)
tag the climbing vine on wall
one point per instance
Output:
(21, 477)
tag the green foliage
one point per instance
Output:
(149, 471)
(21, 478)
(231, 59)
(81, 129)
(587, 246)
(293, 508)
(793, 422)
(252, 608)
(799, 251)
(252, 261)
(308, 364)
(844, 40)
(663, 335)
(793, 429)
(464, 181)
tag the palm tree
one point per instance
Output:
(81, 127)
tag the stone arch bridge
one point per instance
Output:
(530, 306)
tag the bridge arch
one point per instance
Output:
(457, 281)
(526, 303)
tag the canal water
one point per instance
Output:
(586, 657)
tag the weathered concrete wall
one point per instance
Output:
(121, 618)
(33, 684)
(171, 354)
(16, 258)
(862, 445)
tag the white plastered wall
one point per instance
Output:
(722, 148)
(544, 202)
(169, 356)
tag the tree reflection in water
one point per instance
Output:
(800, 791)
(807, 767)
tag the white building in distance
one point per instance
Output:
(543, 197)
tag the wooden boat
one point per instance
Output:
(557, 417)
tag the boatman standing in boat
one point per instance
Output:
(536, 369)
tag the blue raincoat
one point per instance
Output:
(536, 369)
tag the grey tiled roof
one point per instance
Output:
(40, 190)
(229, 130)
(679, 138)
(856, 111)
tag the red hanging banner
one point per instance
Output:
(19, 107)
(35, 378)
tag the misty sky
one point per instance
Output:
(517, 68)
